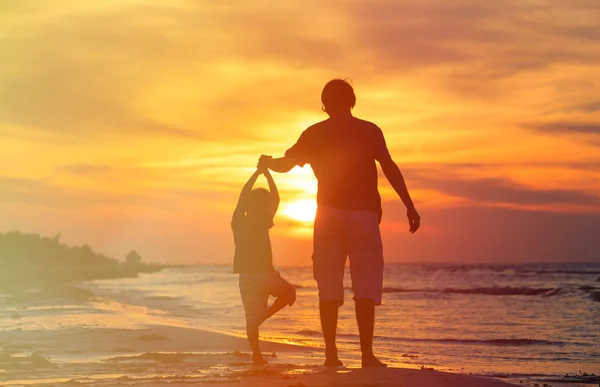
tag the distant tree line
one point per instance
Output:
(30, 259)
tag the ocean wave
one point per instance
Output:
(511, 269)
(504, 342)
(493, 291)
(492, 342)
(402, 290)
(575, 272)
(308, 332)
(313, 333)
(506, 291)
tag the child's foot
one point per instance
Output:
(372, 361)
(259, 360)
(292, 297)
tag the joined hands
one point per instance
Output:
(262, 164)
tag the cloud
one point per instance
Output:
(416, 34)
(567, 127)
(191, 71)
(171, 99)
(474, 48)
(487, 234)
(87, 169)
(197, 69)
(74, 92)
(590, 107)
(37, 192)
(44, 193)
(497, 191)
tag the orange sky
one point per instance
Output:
(133, 124)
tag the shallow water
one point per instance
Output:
(514, 320)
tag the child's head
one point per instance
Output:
(260, 203)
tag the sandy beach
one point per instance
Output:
(163, 355)
(168, 328)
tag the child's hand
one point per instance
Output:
(262, 163)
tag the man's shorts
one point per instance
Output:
(348, 233)
(255, 290)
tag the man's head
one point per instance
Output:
(338, 97)
(260, 203)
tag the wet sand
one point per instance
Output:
(161, 355)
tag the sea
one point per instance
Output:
(536, 321)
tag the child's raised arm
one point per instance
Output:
(240, 208)
(273, 189)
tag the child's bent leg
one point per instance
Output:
(287, 298)
(280, 303)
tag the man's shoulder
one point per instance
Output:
(329, 122)
(366, 124)
(316, 130)
(317, 126)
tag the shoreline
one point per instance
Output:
(83, 335)
(157, 354)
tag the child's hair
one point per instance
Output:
(259, 199)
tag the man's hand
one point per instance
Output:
(263, 163)
(414, 220)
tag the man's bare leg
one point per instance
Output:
(329, 316)
(365, 317)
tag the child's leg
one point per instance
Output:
(285, 293)
(279, 303)
(252, 333)
(255, 300)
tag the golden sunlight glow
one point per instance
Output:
(301, 210)
(165, 110)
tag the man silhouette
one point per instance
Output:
(342, 151)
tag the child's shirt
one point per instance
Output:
(252, 245)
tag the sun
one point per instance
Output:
(301, 210)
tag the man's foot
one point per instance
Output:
(372, 361)
(333, 362)
(259, 360)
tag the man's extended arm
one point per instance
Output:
(394, 176)
(280, 165)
